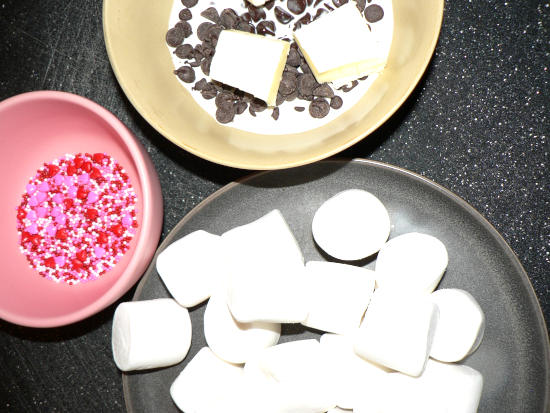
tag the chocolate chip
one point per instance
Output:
(306, 84)
(189, 3)
(339, 3)
(328, 7)
(258, 105)
(291, 96)
(282, 15)
(317, 2)
(288, 83)
(225, 116)
(214, 33)
(280, 99)
(186, 74)
(184, 51)
(195, 63)
(323, 91)
(205, 66)
(291, 69)
(212, 14)
(245, 26)
(197, 52)
(224, 101)
(174, 36)
(201, 84)
(202, 30)
(361, 5)
(275, 113)
(299, 108)
(296, 6)
(266, 27)
(185, 14)
(229, 18)
(319, 108)
(240, 107)
(347, 88)
(305, 19)
(186, 27)
(293, 58)
(336, 102)
(310, 2)
(269, 5)
(209, 91)
(256, 13)
(374, 13)
(364, 78)
(319, 13)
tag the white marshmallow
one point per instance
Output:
(351, 225)
(449, 388)
(297, 373)
(337, 295)
(206, 384)
(397, 330)
(460, 327)
(352, 376)
(150, 334)
(265, 270)
(191, 267)
(411, 261)
(233, 341)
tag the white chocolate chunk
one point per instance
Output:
(341, 45)
(250, 62)
(191, 267)
(412, 261)
(206, 384)
(460, 327)
(233, 341)
(351, 225)
(352, 376)
(337, 295)
(257, 3)
(397, 330)
(442, 387)
(150, 334)
(265, 271)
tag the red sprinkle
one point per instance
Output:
(98, 157)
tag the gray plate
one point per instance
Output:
(514, 355)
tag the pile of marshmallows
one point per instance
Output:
(386, 350)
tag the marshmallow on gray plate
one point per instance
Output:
(206, 384)
(150, 334)
(191, 267)
(442, 387)
(233, 341)
(265, 271)
(397, 330)
(297, 372)
(352, 376)
(411, 261)
(351, 225)
(337, 295)
(460, 327)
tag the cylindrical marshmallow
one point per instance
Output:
(150, 334)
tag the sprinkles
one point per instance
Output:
(77, 217)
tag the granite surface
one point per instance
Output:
(478, 124)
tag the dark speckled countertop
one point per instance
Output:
(478, 124)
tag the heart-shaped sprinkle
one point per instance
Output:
(32, 229)
(62, 234)
(41, 212)
(31, 189)
(52, 170)
(58, 179)
(84, 179)
(99, 252)
(60, 260)
(51, 230)
(98, 157)
(57, 198)
(82, 255)
(92, 197)
(49, 262)
(31, 215)
(61, 219)
(41, 197)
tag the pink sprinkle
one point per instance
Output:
(32, 229)
(51, 230)
(58, 179)
(58, 198)
(33, 201)
(41, 197)
(31, 215)
(61, 219)
(99, 252)
(60, 260)
(126, 220)
(68, 180)
(92, 197)
(72, 191)
(84, 178)
(31, 189)
(56, 211)
(41, 212)
(44, 187)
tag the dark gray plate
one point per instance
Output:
(514, 355)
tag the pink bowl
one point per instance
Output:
(39, 127)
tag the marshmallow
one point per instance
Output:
(352, 376)
(265, 269)
(351, 225)
(397, 330)
(206, 384)
(191, 267)
(460, 327)
(297, 373)
(337, 295)
(412, 261)
(150, 334)
(233, 341)
(449, 388)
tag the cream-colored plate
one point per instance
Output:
(135, 38)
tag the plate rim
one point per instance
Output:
(396, 169)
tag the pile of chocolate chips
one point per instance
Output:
(297, 80)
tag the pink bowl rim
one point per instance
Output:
(150, 227)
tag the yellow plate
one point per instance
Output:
(135, 39)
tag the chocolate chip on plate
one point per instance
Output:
(280, 99)
(266, 27)
(269, 4)
(201, 84)
(309, 2)
(224, 100)
(186, 74)
(256, 13)
(211, 14)
(225, 116)
(282, 15)
(374, 13)
(319, 108)
(205, 66)
(186, 27)
(296, 6)
(347, 88)
(245, 26)
(361, 5)
(305, 19)
(175, 36)
(288, 83)
(338, 3)
(258, 105)
(185, 14)
(275, 113)
(293, 58)
(323, 91)
(184, 51)
(299, 108)
(240, 106)
(189, 3)
(229, 18)
(306, 84)
(202, 30)
(319, 13)
(336, 102)
(209, 91)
